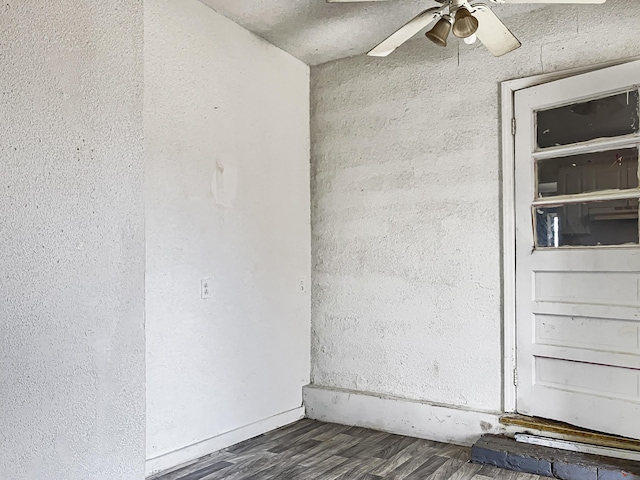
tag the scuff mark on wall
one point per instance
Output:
(224, 184)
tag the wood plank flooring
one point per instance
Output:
(312, 450)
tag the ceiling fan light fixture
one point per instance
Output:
(465, 24)
(440, 32)
(471, 39)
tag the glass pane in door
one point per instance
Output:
(590, 172)
(611, 116)
(588, 224)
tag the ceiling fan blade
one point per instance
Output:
(406, 32)
(547, 1)
(493, 33)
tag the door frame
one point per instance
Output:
(508, 215)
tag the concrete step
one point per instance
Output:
(505, 452)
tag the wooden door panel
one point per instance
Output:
(579, 332)
(599, 413)
(585, 310)
(608, 288)
(591, 356)
(580, 377)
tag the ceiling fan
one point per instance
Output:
(467, 20)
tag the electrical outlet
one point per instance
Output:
(205, 288)
(302, 285)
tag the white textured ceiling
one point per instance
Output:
(317, 32)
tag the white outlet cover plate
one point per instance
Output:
(205, 288)
(302, 285)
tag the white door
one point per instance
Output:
(577, 254)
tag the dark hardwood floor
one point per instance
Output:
(314, 450)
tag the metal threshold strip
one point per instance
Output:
(572, 446)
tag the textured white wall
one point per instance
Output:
(72, 237)
(216, 94)
(406, 204)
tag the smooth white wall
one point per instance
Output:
(406, 204)
(218, 96)
(72, 241)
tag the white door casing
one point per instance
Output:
(577, 309)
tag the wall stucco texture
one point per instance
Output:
(72, 236)
(406, 208)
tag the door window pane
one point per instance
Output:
(588, 224)
(591, 172)
(601, 118)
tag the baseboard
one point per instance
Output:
(224, 440)
(398, 415)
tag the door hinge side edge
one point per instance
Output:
(513, 126)
(515, 377)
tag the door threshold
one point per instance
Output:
(564, 431)
(573, 446)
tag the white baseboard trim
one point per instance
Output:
(399, 415)
(192, 452)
